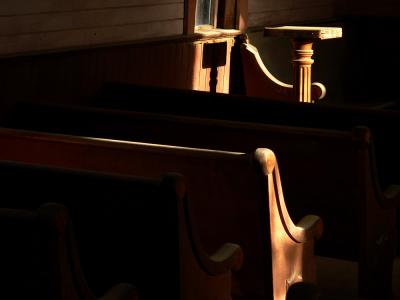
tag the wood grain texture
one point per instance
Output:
(22, 7)
(285, 12)
(52, 25)
(189, 17)
(60, 40)
(188, 268)
(307, 155)
(221, 183)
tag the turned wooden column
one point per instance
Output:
(302, 61)
(302, 38)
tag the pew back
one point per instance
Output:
(383, 123)
(31, 264)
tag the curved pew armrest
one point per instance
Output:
(228, 257)
(391, 196)
(310, 227)
(292, 244)
(121, 291)
(55, 218)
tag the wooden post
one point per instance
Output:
(302, 61)
(302, 38)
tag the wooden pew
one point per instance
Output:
(234, 196)
(328, 173)
(121, 236)
(383, 123)
(35, 257)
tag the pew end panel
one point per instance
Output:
(36, 262)
(129, 243)
(202, 276)
(297, 240)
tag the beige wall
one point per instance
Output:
(28, 26)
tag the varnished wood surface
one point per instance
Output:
(121, 237)
(234, 197)
(332, 172)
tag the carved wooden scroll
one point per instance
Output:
(259, 82)
(302, 38)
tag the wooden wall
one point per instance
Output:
(64, 50)
(42, 25)
(77, 76)
(274, 12)
(29, 26)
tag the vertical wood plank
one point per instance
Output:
(189, 16)
(196, 65)
(242, 7)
